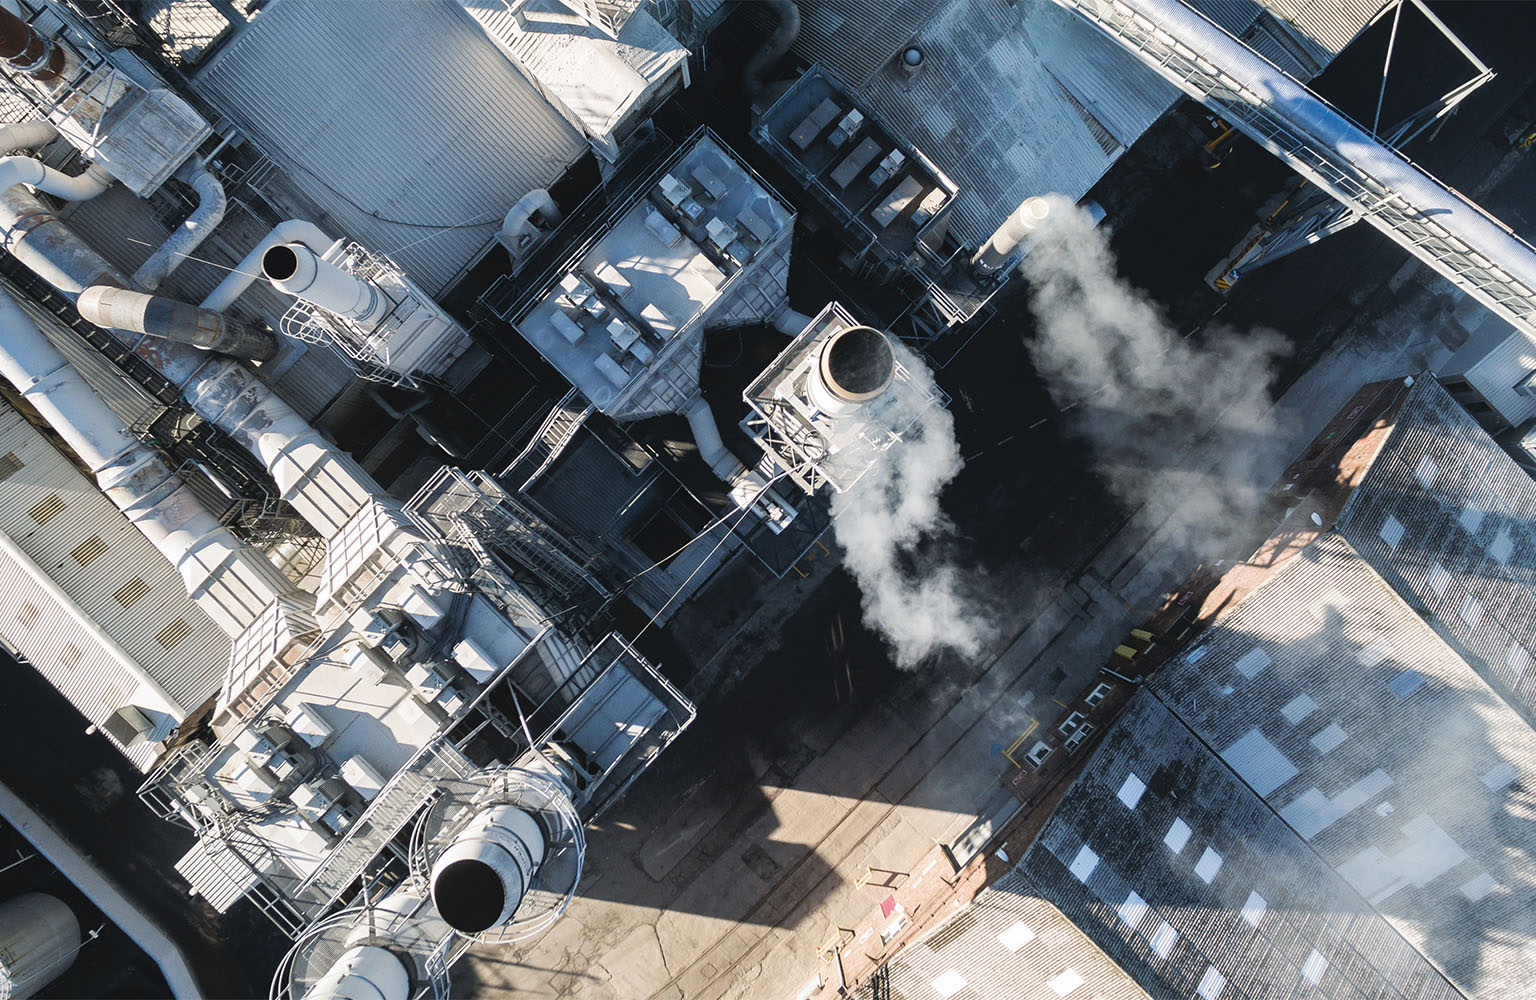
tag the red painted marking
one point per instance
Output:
(888, 905)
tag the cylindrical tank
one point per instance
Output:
(294, 268)
(991, 258)
(853, 367)
(365, 972)
(480, 880)
(39, 937)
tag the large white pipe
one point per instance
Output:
(480, 880)
(158, 316)
(1262, 86)
(211, 204)
(365, 972)
(33, 134)
(706, 433)
(296, 269)
(1000, 247)
(231, 581)
(25, 170)
(39, 936)
(249, 269)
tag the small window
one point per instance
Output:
(1083, 865)
(1471, 612)
(1439, 579)
(1163, 939)
(1081, 733)
(27, 614)
(1391, 531)
(1211, 984)
(9, 465)
(89, 549)
(1064, 982)
(1097, 695)
(1253, 661)
(1314, 968)
(1254, 909)
(1208, 865)
(1426, 472)
(173, 633)
(1470, 519)
(1016, 936)
(47, 509)
(1133, 909)
(1038, 753)
(1070, 723)
(1177, 836)
(1406, 683)
(131, 591)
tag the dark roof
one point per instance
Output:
(1192, 884)
(1446, 517)
(1380, 747)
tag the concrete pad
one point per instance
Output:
(636, 966)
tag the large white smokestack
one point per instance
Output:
(480, 880)
(365, 972)
(294, 268)
(39, 937)
(232, 582)
(994, 256)
(853, 367)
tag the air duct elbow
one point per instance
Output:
(1015, 230)
(25, 170)
(296, 269)
(366, 972)
(775, 47)
(211, 203)
(854, 367)
(481, 879)
(528, 222)
(168, 319)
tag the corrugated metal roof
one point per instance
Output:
(1175, 868)
(1503, 365)
(126, 587)
(1007, 942)
(1378, 745)
(588, 487)
(1446, 517)
(855, 38)
(1331, 24)
(427, 123)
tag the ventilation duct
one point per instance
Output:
(481, 879)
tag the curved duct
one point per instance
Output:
(365, 972)
(527, 222)
(853, 367)
(706, 433)
(168, 319)
(25, 170)
(480, 880)
(248, 270)
(775, 47)
(211, 203)
(1017, 228)
(39, 936)
(296, 269)
(230, 581)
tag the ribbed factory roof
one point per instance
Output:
(110, 574)
(1446, 517)
(1188, 880)
(414, 134)
(1333, 700)
(1007, 942)
(1015, 100)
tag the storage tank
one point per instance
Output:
(39, 936)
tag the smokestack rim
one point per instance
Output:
(469, 895)
(280, 262)
(857, 364)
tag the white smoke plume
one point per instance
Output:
(894, 533)
(1175, 422)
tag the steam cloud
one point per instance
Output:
(894, 534)
(1145, 398)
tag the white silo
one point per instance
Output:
(39, 936)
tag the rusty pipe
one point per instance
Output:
(168, 319)
(28, 51)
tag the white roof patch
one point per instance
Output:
(1130, 792)
(1426, 472)
(949, 983)
(1083, 865)
(1476, 888)
(1064, 982)
(1471, 612)
(1133, 909)
(1177, 836)
(1391, 531)
(1500, 775)
(1259, 762)
(1439, 579)
(1314, 967)
(1470, 519)
(1252, 662)
(1163, 939)
(1330, 738)
(1502, 546)
(1016, 936)
(1298, 708)
(1211, 984)
(1254, 909)
(1208, 865)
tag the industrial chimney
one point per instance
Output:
(854, 366)
(1000, 247)
(480, 880)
